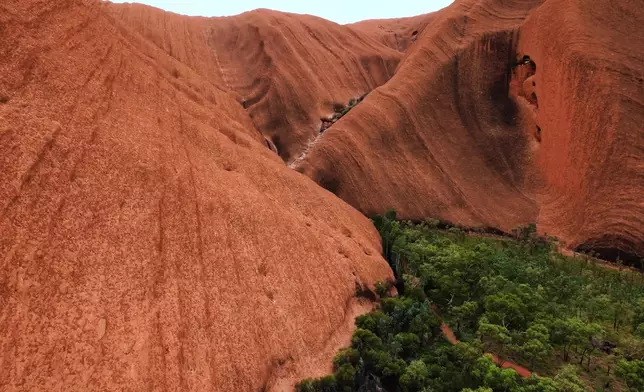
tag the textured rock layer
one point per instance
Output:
(502, 113)
(148, 238)
(153, 232)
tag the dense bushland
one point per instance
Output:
(575, 323)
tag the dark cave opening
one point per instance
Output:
(611, 254)
(534, 100)
(526, 60)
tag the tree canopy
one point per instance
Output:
(515, 298)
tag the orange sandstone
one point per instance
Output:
(155, 235)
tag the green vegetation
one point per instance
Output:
(339, 111)
(578, 325)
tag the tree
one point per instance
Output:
(632, 372)
(346, 355)
(452, 288)
(364, 340)
(490, 375)
(506, 309)
(415, 376)
(384, 364)
(566, 333)
(593, 334)
(638, 313)
(324, 384)
(414, 287)
(598, 306)
(639, 331)
(406, 344)
(345, 377)
(495, 338)
(389, 230)
(425, 324)
(537, 347)
(377, 322)
(566, 380)
(620, 310)
(465, 314)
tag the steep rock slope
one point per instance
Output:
(442, 137)
(502, 113)
(148, 238)
(287, 70)
(590, 87)
(398, 34)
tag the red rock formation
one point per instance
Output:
(288, 70)
(470, 131)
(590, 86)
(148, 238)
(398, 34)
(442, 137)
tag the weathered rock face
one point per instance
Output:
(444, 136)
(287, 70)
(590, 87)
(502, 113)
(148, 238)
(151, 238)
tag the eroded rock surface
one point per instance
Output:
(502, 113)
(149, 239)
(152, 235)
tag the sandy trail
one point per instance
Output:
(451, 337)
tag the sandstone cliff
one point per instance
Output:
(149, 239)
(502, 113)
(167, 208)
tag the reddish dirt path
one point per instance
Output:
(451, 337)
(448, 333)
(523, 372)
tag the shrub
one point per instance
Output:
(415, 376)
(345, 377)
(364, 340)
(347, 355)
(324, 384)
